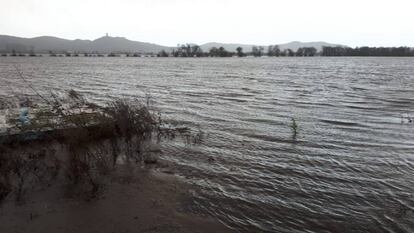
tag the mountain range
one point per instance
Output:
(104, 44)
(108, 44)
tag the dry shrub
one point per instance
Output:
(5, 186)
(23, 167)
(94, 145)
(131, 119)
(92, 140)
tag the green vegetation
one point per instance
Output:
(240, 52)
(189, 50)
(162, 54)
(368, 51)
(273, 51)
(193, 50)
(113, 55)
(257, 51)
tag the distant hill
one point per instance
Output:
(294, 45)
(108, 44)
(105, 44)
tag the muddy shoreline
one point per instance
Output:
(133, 200)
(70, 167)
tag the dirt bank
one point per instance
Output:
(131, 201)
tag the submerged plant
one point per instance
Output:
(294, 127)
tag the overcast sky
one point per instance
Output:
(168, 22)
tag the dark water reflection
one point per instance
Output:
(350, 168)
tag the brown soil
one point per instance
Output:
(132, 201)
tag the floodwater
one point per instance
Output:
(348, 168)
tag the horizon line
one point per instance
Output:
(205, 43)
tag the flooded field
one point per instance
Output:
(348, 166)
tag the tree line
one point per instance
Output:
(368, 51)
(192, 50)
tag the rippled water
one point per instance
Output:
(349, 169)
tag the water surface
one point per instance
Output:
(350, 168)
